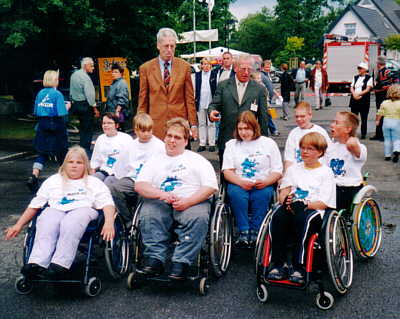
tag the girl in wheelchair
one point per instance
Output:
(252, 164)
(306, 190)
(346, 157)
(72, 197)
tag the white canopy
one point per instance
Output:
(215, 52)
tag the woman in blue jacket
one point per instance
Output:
(51, 132)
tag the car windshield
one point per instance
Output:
(392, 64)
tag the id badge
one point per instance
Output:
(254, 107)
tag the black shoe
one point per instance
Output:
(152, 267)
(362, 137)
(297, 276)
(201, 149)
(243, 239)
(395, 158)
(33, 183)
(278, 273)
(178, 271)
(57, 272)
(276, 133)
(387, 158)
(211, 149)
(374, 138)
(33, 271)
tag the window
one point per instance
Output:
(350, 29)
(366, 3)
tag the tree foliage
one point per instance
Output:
(392, 42)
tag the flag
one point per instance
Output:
(210, 4)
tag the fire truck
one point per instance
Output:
(342, 56)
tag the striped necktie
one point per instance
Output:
(167, 76)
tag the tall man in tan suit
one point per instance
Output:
(166, 89)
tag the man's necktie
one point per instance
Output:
(167, 76)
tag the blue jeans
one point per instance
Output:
(254, 202)
(158, 219)
(391, 134)
(271, 125)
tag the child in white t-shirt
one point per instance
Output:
(108, 149)
(306, 190)
(346, 157)
(252, 165)
(303, 115)
(130, 163)
(72, 197)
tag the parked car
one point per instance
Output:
(394, 67)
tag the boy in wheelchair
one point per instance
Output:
(306, 190)
(72, 197)
(176, 187)
(346, 157)
(131, 162)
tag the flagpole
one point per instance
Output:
(194, 30)
(209, 28)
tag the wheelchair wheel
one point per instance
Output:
(117, 251)
(23, 286)
(220, 239)
(134, 238)
(262, 293)
(324, 302)
(367, 228)
(93, 287)
(338, 253)
(203, 286)
(132, 281)
(264, 231)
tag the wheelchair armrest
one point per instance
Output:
(364, 192)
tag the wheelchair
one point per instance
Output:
(116, 253)
(214, 256)
(364, 222)
(327, 252)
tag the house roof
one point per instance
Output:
(391, 9)
(374, 21)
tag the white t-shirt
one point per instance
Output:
(107, 151)
(135, 155)
(292, 146)
(253, 159)
(72, 193)
(316, 184)
(183, 175)
(346, 167)
(360, 82)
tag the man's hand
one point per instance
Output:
(96, 112)
(108, 231)
(12, 231)
(181, 204)
(194, 131)
(167, 197)
(215, 116)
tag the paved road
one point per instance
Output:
(375, 292)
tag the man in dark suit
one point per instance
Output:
(234, 96)
(225, 72)
(166, 89)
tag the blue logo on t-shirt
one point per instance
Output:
(298, 156)
(169, 184)
(137, 171)
(249, 170)
(111, 161)
(337, 165)
(300, 193)
(65, 201)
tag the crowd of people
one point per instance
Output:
(177, 184)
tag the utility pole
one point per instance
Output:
(194, 30)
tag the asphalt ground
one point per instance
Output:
(374, 294)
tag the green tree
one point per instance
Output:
(392, 42)
(256, 33)
(292, 47)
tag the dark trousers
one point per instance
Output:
(85, 115)
(363, 112)
(379, 98)
(344, 196)
(292, 228)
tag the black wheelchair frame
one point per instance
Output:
(214, 255)
(331, 243)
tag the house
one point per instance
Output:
(371, 20)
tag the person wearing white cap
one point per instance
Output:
(360, 95)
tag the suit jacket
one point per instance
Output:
(268, 84)
(226, 102)
(198, 80)
(163, 104)
(294, 73)
(324, 86)
(215, 74)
